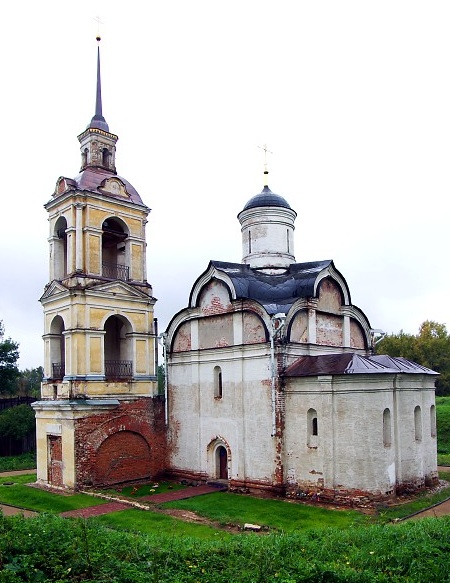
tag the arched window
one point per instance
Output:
(287, 240)
(84, 157)
(417, 424)
(249, 242)
(312, 428)
(118, 349)
(387, 439)
(433, 420)
(60, 249)
(218, 392)
(106, 155)
(57, 349)
(114, 260)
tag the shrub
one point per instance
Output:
(17, 422)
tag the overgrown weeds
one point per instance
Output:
(25, 461)
(49, 548)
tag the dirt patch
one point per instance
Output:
(186, 515)
(192, 517)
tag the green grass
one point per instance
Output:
(278, 515)
(420, 503)
(145, 489)
(152, 522)
(31, 498)
(26, 461)
(443, 427)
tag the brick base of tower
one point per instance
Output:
(100, 442)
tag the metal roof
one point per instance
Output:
(352, 363)
(266, 198)
(276, 293)
(91, 178)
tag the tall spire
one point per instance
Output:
(98, 121)
(98, 144)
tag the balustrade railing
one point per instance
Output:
(118, 369)
(115, 271)
(58, 370)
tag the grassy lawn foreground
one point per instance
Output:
(24, 496)
(221, 509)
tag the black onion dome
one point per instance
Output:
(266, 198)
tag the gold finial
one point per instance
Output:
(266, 171)
(98, 38)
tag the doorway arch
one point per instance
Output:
(219, 459)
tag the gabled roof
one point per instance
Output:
(277, 293)
(351, 363)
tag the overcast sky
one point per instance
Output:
(352, 98)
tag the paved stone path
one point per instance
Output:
(153, 499)
(96, 510)
(12, 510)
(189, 492)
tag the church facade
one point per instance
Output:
(273, 385)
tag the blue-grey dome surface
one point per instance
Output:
(266, 198)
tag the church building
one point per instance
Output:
(271, 379)
(100, 420)
(273, 385)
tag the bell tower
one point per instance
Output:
(99, 407)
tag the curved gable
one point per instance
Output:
(214, 298)
(358, 338)
(330, 295)
(254, 330)
(182, 340)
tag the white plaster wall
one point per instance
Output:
(268, 229)
(417, 458)
(350, 453)
(242, 417)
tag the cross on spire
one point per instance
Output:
(266, 171)
(99, 22)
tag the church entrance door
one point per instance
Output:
(222, 463)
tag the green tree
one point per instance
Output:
(9, 354)
(17, 422)
(29, 382)
(430, 348)
(161, 379)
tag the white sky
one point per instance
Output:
(352, 98)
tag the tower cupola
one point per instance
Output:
(97, 143)
(267, 226)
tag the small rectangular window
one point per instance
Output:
(218, 388)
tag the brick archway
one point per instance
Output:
(123, 457)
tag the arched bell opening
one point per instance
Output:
(118, 349)
(57, 349)
(60, 249)
(115, 262)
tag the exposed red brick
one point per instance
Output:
(55, 473)
(123, 445)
